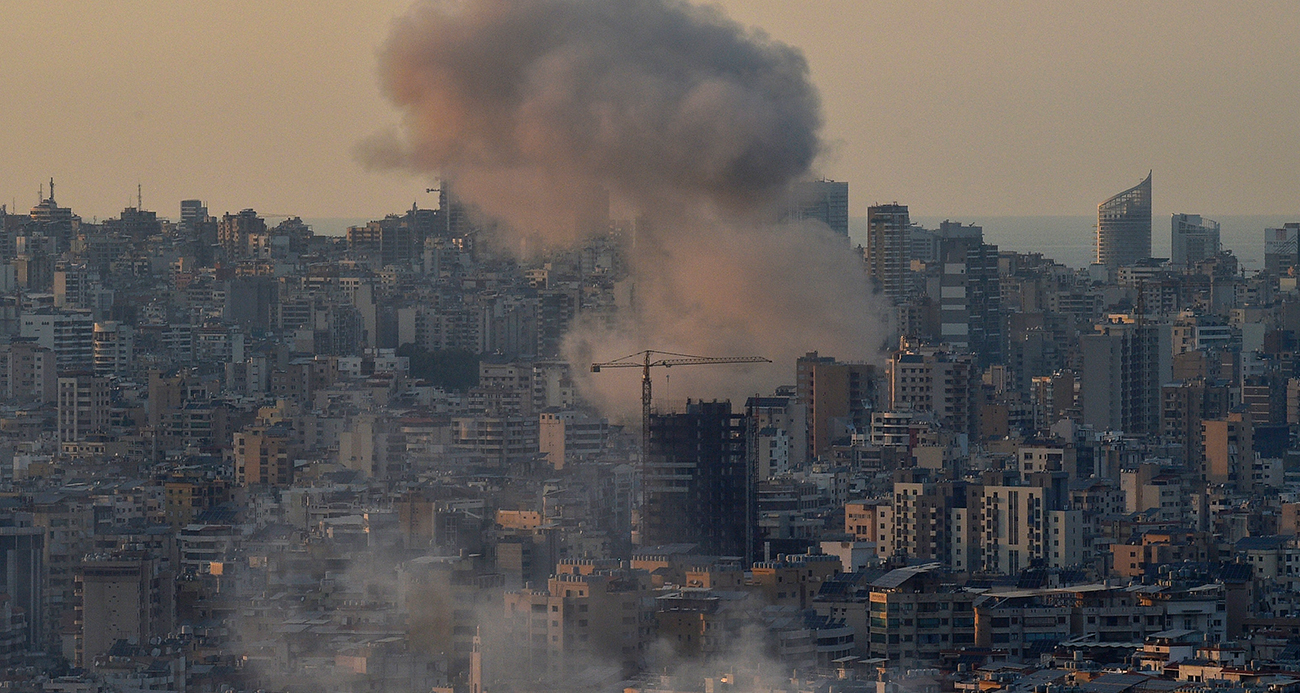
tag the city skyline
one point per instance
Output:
(1002, 109)
(597, 380)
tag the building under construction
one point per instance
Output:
(699, 489)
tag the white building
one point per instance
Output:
(70, 335)
(113, 348)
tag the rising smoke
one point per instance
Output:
(685, 117)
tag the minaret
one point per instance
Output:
(476, 664)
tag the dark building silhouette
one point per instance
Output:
(698, 486)
(22, 572)
(970, 299)
(233, 231)
(1192, 239)
(389, 241)
(192, 212)
(826, 201)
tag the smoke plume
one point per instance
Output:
(684, 117)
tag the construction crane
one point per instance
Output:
(645, 360)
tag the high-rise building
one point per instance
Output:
(777, 418)
(113, 347)
(192, 212)
(1021, 526)
(233, 231)
(970, 295)
(922, 530)
(135, 223)
(826, 201)
(1183, 406)
(1192, 239)
(1281, 249)
(838, 398)
(919, 642)
(1124, 226)
(263, 456)
(83, 406)
(1052, 397)
(122, 598)
(252, 302)
(390, 241)
(27, 372)
(70, 335)
(57, 223)
(938, 381)
(1124, 364)
(75, 286)
(23, 572)
(1228, 450)
(888, 241)
(698, 483)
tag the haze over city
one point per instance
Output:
(963, 110)
(649, 346)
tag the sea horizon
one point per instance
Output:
(1070, 239)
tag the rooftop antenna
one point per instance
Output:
(139, 199)
(51, 189)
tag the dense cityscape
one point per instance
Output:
(238, 455)
(575, 367)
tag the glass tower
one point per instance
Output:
(1124, 226)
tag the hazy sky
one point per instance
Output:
(975, 109)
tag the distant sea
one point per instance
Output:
(333, 226)
(1071, 240)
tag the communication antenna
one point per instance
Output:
(139, 199)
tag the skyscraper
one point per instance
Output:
(1124, 226)
(1192, 239)
(888, 239)
(826, 201)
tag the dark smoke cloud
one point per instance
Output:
(682, 115)
(540, 100)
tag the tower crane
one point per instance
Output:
(645, 360)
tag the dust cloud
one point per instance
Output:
(688, 120)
